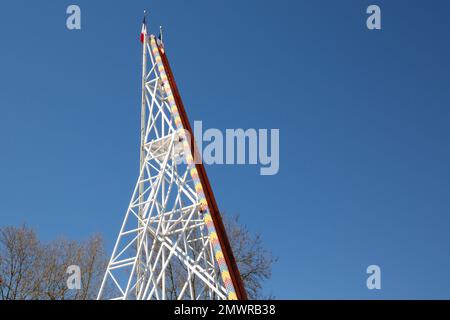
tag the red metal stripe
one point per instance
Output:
(209, 195)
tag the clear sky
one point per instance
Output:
(363, 117)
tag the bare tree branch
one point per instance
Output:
(30, 269)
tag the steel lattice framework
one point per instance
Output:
(172, 244)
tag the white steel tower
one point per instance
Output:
(172, 243)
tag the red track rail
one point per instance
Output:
(214, 209)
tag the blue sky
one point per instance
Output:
(363, 117)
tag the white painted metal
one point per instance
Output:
(163, 249)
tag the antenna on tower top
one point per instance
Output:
(143, 36)
(145, 15)
(160, 37)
